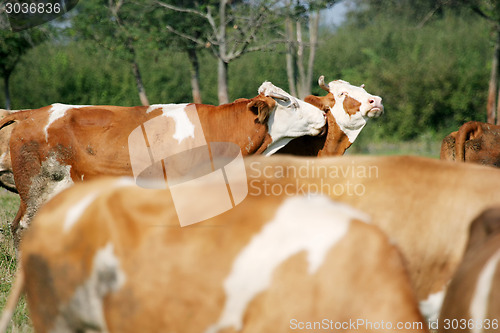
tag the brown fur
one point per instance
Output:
(6, 175)
(474, 142)
(333, 143)
(484, 242)
(174, 276)
(94, 142)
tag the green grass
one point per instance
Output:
(9, 203)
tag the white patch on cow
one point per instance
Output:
(275, 146)
(431, 306)
(184, 128)
(75, 212)
(84, 312)
(479, 302)
(312, 224)
(53, 178)
(2, 158)
(57, 111)
(352, 125)
(291, 118)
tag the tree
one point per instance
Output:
(296, 14)
(191, 24)
(119, 30)
(235, 28)
(13, 45)
(490, 10)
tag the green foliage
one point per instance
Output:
(431, 79)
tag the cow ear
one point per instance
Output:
(262, 107)
(321, 102)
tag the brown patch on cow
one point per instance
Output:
(42, 299)
(483, 245)
(262, 107)
(334, 143)
(351, 105)
(321, 102)
(474, 142)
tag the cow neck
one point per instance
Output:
(336, 141)
(235, 123)
(350, 124)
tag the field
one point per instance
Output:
(9, 203)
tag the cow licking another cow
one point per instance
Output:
(58, 145)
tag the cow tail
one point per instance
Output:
(464, 133)
(13, 298)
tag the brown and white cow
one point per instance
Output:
(109, 256)
(348, 109)
(55, 146)
(474, 142)
(424, 205)
(472, 302)
(6, 174)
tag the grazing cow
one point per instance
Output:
(472, 302)
(474, 142)
(55, 146)
(109, 256)
(348, 108)
(6, 174)
(424, 205)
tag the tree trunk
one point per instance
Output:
(313, 44)
(140, 86)
(195, 75)
(222, 82)
(492, 91)
(290, 57)
(222, 60)
(300, 61)
(6, 90)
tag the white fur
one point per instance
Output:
(431, 306)
(57, 111)
(75, 212)
(184, 128)
(291, 118)
(352, 125)
(84, 311)
(312, 224)
(479, 302)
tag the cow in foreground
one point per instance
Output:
(424, 205)
(109, 256)
(348, 109)
(55, 146)
(474, 142)
(472, 302)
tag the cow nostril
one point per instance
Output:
(371, 101)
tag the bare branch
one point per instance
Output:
(186, 36)
(182, 10)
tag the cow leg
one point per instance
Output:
(15, 226)
(53, 177)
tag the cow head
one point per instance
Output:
(351, 106)
(287, 117)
